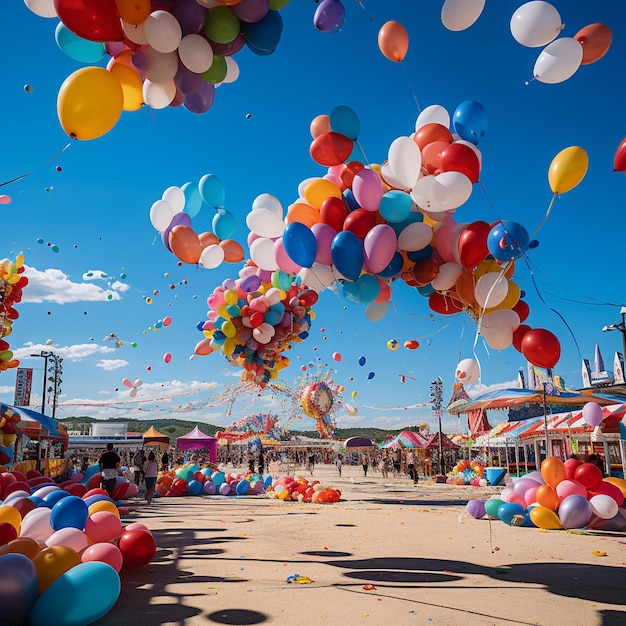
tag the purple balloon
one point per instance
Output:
(574, 511)
(476, 508)
(592, 414)
(191, 16)
(187, 81)
(251, 10)
(329, 16)
(324, 235)
(200, 101)
(250, 283)
(230, 48)
(179, 218)
(210, 488)
(225, 489)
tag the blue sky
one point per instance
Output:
(256, 139)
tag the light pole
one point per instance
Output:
(622, 329)
(45, 355)
(56, 369)
(436, 399)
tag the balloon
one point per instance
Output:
(458, 157)
(89, 103)
(93, 21)
(329, 16)
(476, 508)
(300, 244)
(379, 247)
(470, 121)
(457, 15)
(105, 553)
(543, 517)
(472, 244)
(233, 252)
(547, 496)
(347, 254)
(212, 190)
(558, 61)
(69, 512)
(367, 188)
(507, 241)
(162, 31)
(596, 40)
(184, 243)
(263, 36)
(604, 506)
(509, 510)
(490, 289)
(541, 348)
(575, 511)
(18, 587)
(393, 41)
(52, 562)
(588, 475)
(138, 547)
(331, 148)
(345, 121)
(492, 505)
(467, 371)
(567, 169)
(78, 48)
(592, 414)
(619, 162)
(535, 24)
(552, 471)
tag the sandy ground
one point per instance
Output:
(227, 560)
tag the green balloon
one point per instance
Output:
(217, 72)
(222, 25)
(277, 5)
(492, 506)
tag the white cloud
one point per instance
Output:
(111, 364)
(76, 352)
(479, 389)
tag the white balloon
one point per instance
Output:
(318, 277)
(268, 201)
(388, 177)
(423, 194)
(604, 506)
(138, 382)
(42, 8)
(558, 61)
(447, 277)
(405, 161)
(195, 53)
(132, 393)
(375, 311)
(452, 189)
(163, 31)
(262, 253)
(161, 214)
(176, 197)
(160, 68)
(212, 256)
(415, 237)
(498, 337)
(491, 288)
(502, 317)
(458, 15)
(135, 32)
(433, 114)
(232, 70)
(302, 187)
(467, 371)
(158, 95)
(265, 223)
(536, 24)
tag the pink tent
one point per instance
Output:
(197, 440)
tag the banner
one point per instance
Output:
(23, 383)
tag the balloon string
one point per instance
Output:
(54, 156)
(360, 147)
(493, 208)
(408, 80)
(545, 217)
(571, 332)
(363, 7)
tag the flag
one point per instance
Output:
(23, 383)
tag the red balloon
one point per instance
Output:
(472, 244)
(331, 148)
(431, 132)
(458, 157)
(137, 547)
(570, 468)
(589, 475)
(595, 40)
(349, 171)
(541, 348)
(518, 335)
(522, 309)
(95, 21)
(619, 162)
(7, 533)
(360, 222)
(334, 212)
(444, 304)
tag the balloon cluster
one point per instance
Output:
(56, 545)
(568, 494)
(254, 319)
(538, 23)
(172, 216)
(192, 480)
(160, 53)
(466, 473)
(9, 420)
(12, 281)
(300, 490)
(317, 402)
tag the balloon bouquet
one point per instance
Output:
(159, 54)
(12, 281)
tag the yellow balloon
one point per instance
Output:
(543, 517)
(11, 515)
(103, 505)
(567, 169)
(318, 190)
(510, 300)
(132, 86)
(89, 103)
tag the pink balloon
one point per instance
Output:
(167, 321)
(443, 242)
(379, 246)
(284, 262)
(167, 357)
(105, 553)
(368, 189)
(530, 495)
(103, 526)
(570, 487)
(5, 199)
(592, 414)
(324, 235)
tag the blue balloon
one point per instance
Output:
(242, 487)
(91, 470)
(53, 497)
(361, 361)
(420, 255)
(369, 288)
(98, 497)
(76, 47)
(194, 487)
(412, 218)
(508, 510)
(80, 596)
(371, 375)
(193, 199)
(18, 587)
(470, 121)
(395, 206)
(351, 292)
(343, 119)
(329, 18)
(507, 241)
(351, 202)
(212, 190)
(426, 290)
(267, 483)
(300, 244)
(394, 267)
(71, 512)
(263, 35)
(347, 253)
(224, 224)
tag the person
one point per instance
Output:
(251, 461)
(109, 463)
(410, 466)
(137, 466)
(150, 473)
(397, 462)
(596, 460)
(311, 462)
(68, 466)
(382, 466)
(165, 462)
(364, 463)
(261, 463)
(339, 463)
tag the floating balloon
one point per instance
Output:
(567, 169)
(393, 41)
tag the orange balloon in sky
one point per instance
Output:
(596, 40)
(185, 244)
(393, 41)
(319, 125)
(233, 252)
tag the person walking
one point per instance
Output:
(339, 463)
(109, 463)
(410, 466)
(150, 473)
(364, 463)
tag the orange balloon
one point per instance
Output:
(133, 11)
(233, 252)
(548, 497)
(203, 348)
(465, 288)
(185, 244)
(208, 239)
(303, 213)
(596, 40)
(53, 562)
(393, 41)
(22, 545)
(431, 132)
(553, 471)
(430, 155)
(319, 125)
(424, 271)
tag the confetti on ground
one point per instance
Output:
(369, 587)
(300, 580)
(599, 553)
